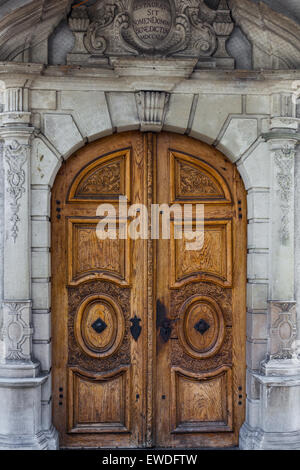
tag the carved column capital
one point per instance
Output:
(284, 123)
(283, 105)
(16, 106)
(278, 143)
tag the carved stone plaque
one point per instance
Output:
(152, 20)
(152, 28)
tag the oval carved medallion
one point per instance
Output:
(152, 20)
(99, 326)
(201, 328)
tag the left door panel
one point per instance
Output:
(98, 288)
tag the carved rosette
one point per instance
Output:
(283, 330)
(17, 331)
(284, 161)
(16, 155)
(157, 28)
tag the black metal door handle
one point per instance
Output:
(163, 322)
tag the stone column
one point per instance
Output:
(20, 378)
(277, 421)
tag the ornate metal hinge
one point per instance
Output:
(135, 328)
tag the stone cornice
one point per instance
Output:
(16, 74)
(7, 67)
(180, 68)
(282, 135)
(20, 67)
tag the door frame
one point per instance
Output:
(150, 182)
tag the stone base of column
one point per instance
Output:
(40, 441)
(19, 369)
(279, 410)
(52, 439)
(281, 367)
(257, 439)
(20, 415)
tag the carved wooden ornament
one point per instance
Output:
(103, 179)
(99, 326)
(201, 326)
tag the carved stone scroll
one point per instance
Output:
(156, 28)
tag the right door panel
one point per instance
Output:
(200, 308)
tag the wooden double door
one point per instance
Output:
(148, 336)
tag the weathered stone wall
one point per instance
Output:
(297, 238)
(60, 44)
(1, 239)
(1, 225)
(1, 221)
(289, 8)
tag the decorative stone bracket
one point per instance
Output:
(16, 107)
(152, 108)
